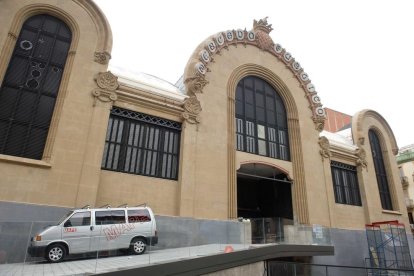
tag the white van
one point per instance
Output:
(90, 230)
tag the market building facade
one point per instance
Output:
(240, 135)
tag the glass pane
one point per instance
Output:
(79, 219)
(118, 216)
(261, 131)
(262, 147)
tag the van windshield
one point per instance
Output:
(65, 217)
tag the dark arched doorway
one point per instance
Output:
(264, 196)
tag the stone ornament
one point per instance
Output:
(192, 108)
(195, 84)
(319, 122)
(107, 81)
(194, 80)
(102, 57)
(192, 105)
(324, 144)
(104, 96)
(362, 155)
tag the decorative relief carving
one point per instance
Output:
(319, 122)
(362, 155)
(104, 96)
(192, 108)
(324, 144)
(102, 57)
(107, 83)
(195, 84)
(199, 66)
(262, 30)
(192, 105)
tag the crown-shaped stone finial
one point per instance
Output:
(262, 25)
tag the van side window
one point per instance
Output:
(109, 217)
(138, 215)
(79, 219)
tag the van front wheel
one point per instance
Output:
(55, 253)
(138, 246)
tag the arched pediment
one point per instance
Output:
(198, 66)
(359, 130)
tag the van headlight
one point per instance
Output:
(38, 238)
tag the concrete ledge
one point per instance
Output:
(209, 264)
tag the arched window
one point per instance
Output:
(30, 86)
(261, 121)
(380, 171)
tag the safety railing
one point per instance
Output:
(109, 247)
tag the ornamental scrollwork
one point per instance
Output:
(107, 83)
(104, 96)
(191, 118)
(199, 65)
(324, 144)
(195, 84)
(102, 57)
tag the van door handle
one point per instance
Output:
(91, 227)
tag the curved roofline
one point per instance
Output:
(357, 127)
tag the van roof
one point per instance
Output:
(112, 208)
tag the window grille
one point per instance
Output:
(380, 171)
(261, 122)
(30, 86)
(141, 144)
(345, 184)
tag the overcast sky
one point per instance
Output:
(358, 54)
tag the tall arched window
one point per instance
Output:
(380, 171)
(261, 121)
(30, 86)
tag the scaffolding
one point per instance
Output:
(388, 245)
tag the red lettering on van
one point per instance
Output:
(114, 231)
(69, 229)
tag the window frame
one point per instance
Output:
(24, 147)
(380, 171)
(144, 145)
(347, 191)
(257, 130)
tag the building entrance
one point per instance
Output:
(264, 196)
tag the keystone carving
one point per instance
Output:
(262, 30)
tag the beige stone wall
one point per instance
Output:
(119, 188)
